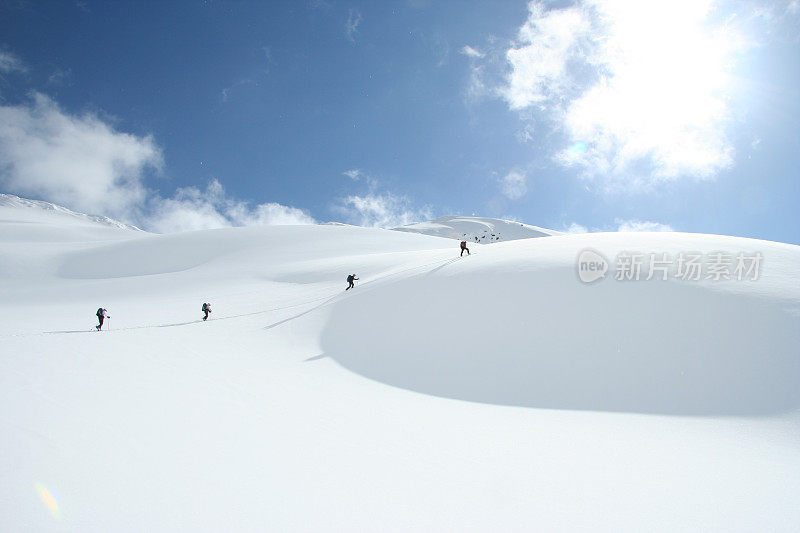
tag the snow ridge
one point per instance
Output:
(477, 229)
(9, 200)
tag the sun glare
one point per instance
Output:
(48, 500)
(663, 88)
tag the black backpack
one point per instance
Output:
(99, 311)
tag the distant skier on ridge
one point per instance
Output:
(350, 279)
(206, 309)
(101, 316)
(464, 247)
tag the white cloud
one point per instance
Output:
(480, 69)
(376, 208)
(351, 27)
(359, 175)
(641, 86)
(540, 57)
(85, 164)
(353, 174)
(79, 161)
(270, 214)
(60, 78)
(226, 91)
(514, 185)
(11, 63)
(192, 209)
(477, 88)
(622, 225)
(380, 210)
(440, 48)
(472, 52)
(639, 225)
(526, 133)
(576, 228)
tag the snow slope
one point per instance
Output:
(477, 229)
(14, 209)
(495, 392)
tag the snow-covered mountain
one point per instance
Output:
(477, 229)
(496, 392)
(22, 210)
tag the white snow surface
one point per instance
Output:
(494, 392)
(485, 230)
(14, 209)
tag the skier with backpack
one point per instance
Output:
(206, 309)
(464, 247)
(350, 279)
(102, 314)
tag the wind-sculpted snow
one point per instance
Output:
(515, 326)
(292, 253)
(245, 422)
(542, 339)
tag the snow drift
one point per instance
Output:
(504, 328)
(519, 398)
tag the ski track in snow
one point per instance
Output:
(327, 299)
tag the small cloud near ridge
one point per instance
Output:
(85, 164)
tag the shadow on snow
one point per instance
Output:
(545, 340)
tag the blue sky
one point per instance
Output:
(593, 115)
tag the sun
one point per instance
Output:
(662, 91)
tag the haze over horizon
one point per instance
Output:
(579, 116)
